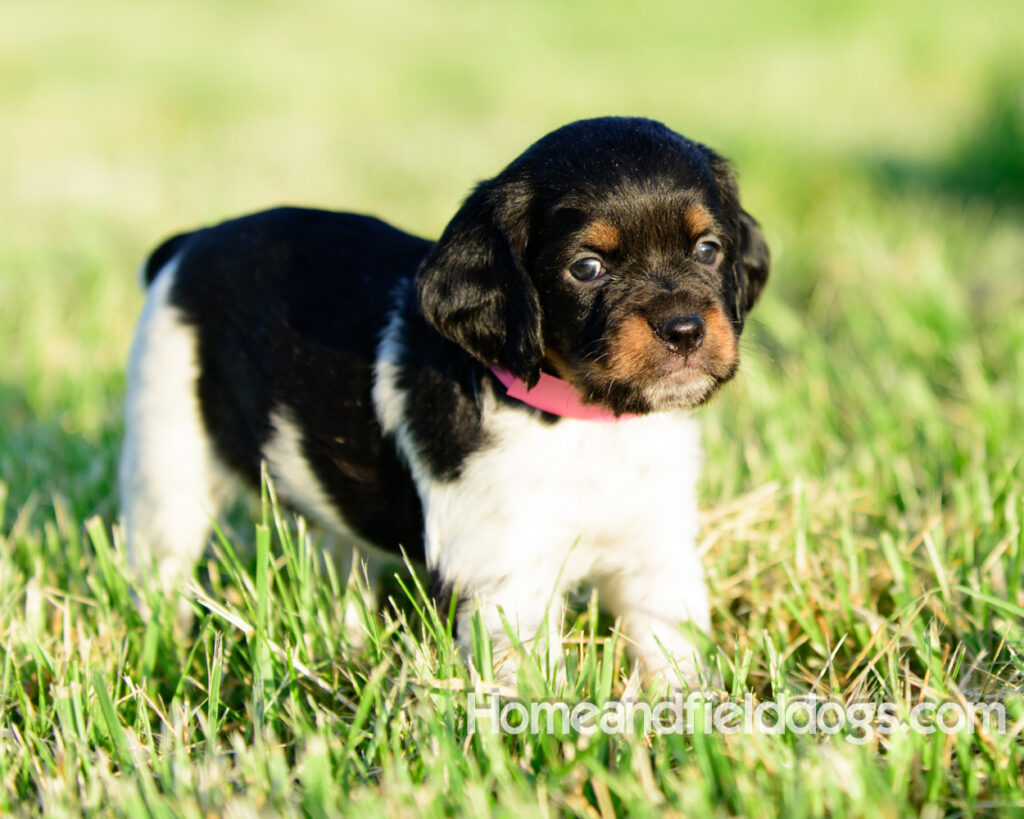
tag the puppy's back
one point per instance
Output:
(272, 321)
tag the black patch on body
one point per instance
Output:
(442, 385)
(289, 305)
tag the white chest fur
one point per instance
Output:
(573, 497)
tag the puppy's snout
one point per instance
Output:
(682, 333)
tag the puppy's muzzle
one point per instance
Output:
(682, 333)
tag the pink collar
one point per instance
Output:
(555, 396)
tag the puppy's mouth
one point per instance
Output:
(642, 365)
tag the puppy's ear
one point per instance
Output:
(753, 260)
(752, 257)
(473, 287)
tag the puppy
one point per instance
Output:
(509, 404)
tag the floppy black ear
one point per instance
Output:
(473, 287)
(752, 257)
(753, 261)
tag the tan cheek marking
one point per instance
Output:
(602, 236)
(632, 350)
(720, 338)
(698, 220)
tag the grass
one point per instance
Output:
(863, 492)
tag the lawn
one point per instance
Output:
(863, 492)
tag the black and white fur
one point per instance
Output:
(354, 359)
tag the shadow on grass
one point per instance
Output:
(988, 161)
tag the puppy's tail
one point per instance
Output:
(160, 257)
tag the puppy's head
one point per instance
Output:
(613, 253)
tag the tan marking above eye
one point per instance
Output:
(698, 220)
(602, 236)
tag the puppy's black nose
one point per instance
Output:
(682, 332)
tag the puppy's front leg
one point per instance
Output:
(660, 604)
(531, 609)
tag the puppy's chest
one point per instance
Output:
(596, 479)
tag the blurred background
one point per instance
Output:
(880, 145)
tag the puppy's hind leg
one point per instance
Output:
(171, 481)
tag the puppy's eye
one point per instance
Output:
(588, 269)
(707, 252)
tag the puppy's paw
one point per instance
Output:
(683, 672)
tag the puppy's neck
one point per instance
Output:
(555, 396)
